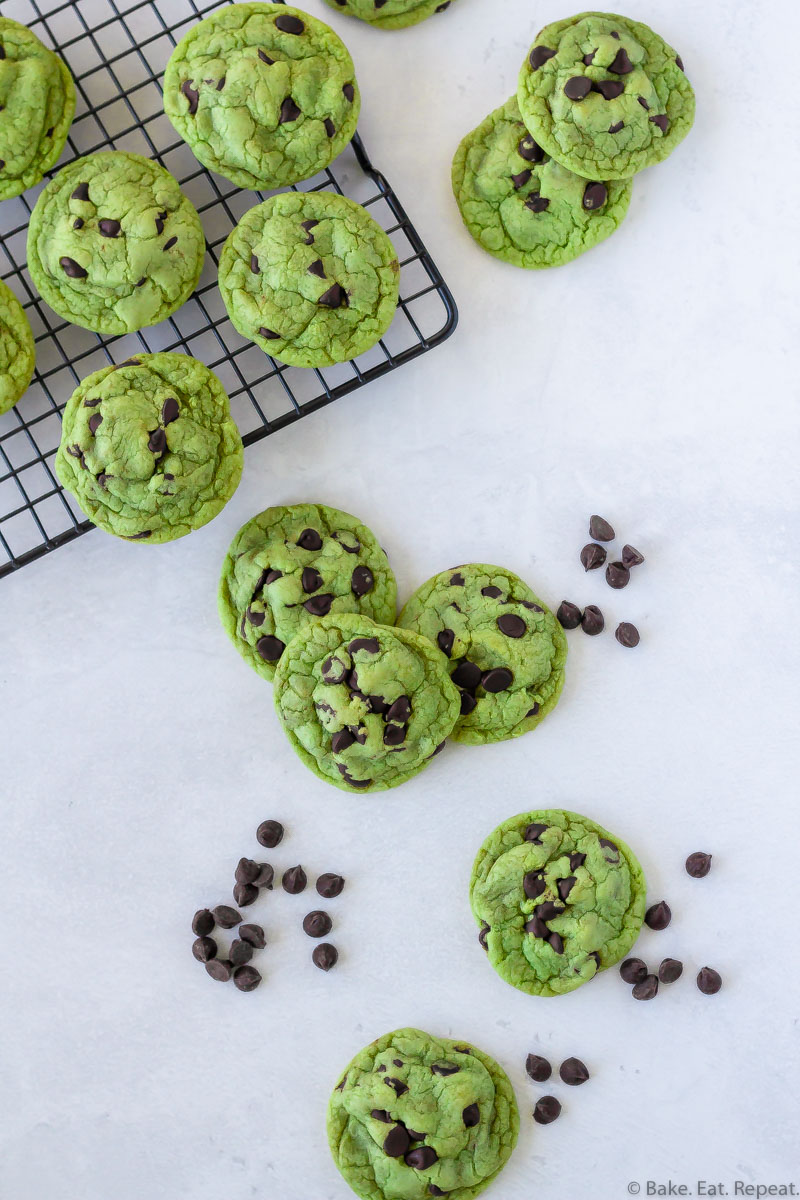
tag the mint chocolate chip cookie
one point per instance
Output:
(505, 649)
(416, 1116)
(390, 14)
(113, 243)
(149, 449)
(524, 207)
(264, 94)
(37, 104)
(310, 278)
(292, 564)
(557, 899)
(364, 706)
(604, 95)
(17, 353)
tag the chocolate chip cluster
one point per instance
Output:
(618, 576)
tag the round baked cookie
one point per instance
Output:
(557, 899)
(37, 104)
(264, 94)
(310, 278)
(604, 95)
(416, 1116)
(505, 649)
(364, 706)
(524, 207)
(17, 352)
(113, 243)
(390, 14)
(149, 449)
(292, 564)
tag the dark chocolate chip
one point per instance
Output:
(633, 970)
(245, 894)
(631, 557)
(609, 89)
(289, 24)
(330, 885)
(289, 111)
(265, 876)
(617, 575)
(557, 942)
(329, 127)
(362, 581)
(81, 192)
(170, 411)
(241, 951)
(94, 423)
(341, 741)
(77, 223)
(204, 949)
(309, 540)
(621, 65)
(294, 880)
(317, 924)
(616, 127)
(497, 680)
(445, 639)
(191, 94)
(380, 1114)
(565, 886)
(270, 648)
(269, 334)
(569, 616)
(349, 92)
(334, 670)
(670, 970)
(335, 297)
(269, 834)
(254, 265)
(445, 1069)
(600, 530)
(246, 870)
(576, 859)
(396, 1084)
(265, 58)
(530, 150)
(646, 988)
(592, 621)
(533, 884)
(577, 88)
(326, 956)
(421, 1158)
(538, 1068)
(539, 56)
(468, 704)
(537, 203)
(71, 268)
(203, 922)
(546, 1110)
(467, 675)
(595, 196)
(396, 1142)
(482, 934)
(643, 102)
(511, 625)
(310, 579)
(709, 981)
(394, 735)
(533, 833)
(246, 979)
(592, 556)
(319, 606)
(157, 443)
(698, 864)
(457, 580)
(220, 969)
(679, 62)
(253, 934)
(367, 645)
(317, 268)
(308, 226)
(573, 1072)
(607, 844)
(549, 909)
(108, 227)
(521, 179)
(226, 917)
(662, 121)
(658, 916)
(173, 241)
(400, 711)
(627, 635)
(588, 59)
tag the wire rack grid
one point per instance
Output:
(117, 54)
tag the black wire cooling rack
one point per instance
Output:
(117, 55)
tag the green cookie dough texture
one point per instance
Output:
(149, 449)
(264, 94)
(37, 104)
(292, 564)
(505, 648)
(113, 244)
(557, 899)
(390, 14)
(310, 278)
(17, 353)
(416, 1116)
(364, 706)
(604, 95)
(523, 206)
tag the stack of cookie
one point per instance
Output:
(548, 175)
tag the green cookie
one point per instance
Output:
(417, 1116)
(364, 706)
(390, 14)
(506, 649)
(113, 244)
(557, 900)
(264, 94)
(17, 351)
(37, 104)
(604, 95)
(149, 449)
(291, 564)
(310, 278)
(521, 205)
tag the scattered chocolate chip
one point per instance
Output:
(548, 909)
(220, 969)
(362, 581)
(246, 979)
(646, 989)
(329, 127)
(241, 951)
(538, 1068)
(71, 268)
(595, 196)
(81, 192)
(592, 621)
(396, 1142)
(254, 264)
(289, 24)
(617, 575)
(511, 625)
(627, 635)
(708, 981)
(577, 88)
(203, 922)
(226, 917)
(631, 557)
(191, 94)
(670, 970)
(658, 916)
(204, 949)
(592, 556)
(265, 877)
(497, 680)
(269, 834)
(335, 297)
(539, 56)
(432, 1188)
(600, 530)
(633, 970)
(537, 927)
(609, 89)
(317, 924)
(621, 65)
(444, 640)
(662, 121)
(421, 1158)
(246, 870)
(573, 1071)
(569, 616)
(698, 864)
(245, 894)
(334, 670)
(253, 934)
(400, 710)
(294, 880)
(546, 1110)
(326, 956)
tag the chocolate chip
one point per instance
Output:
(569, 616)
(265, 58)
(245, 894)
(289, 111)
(81, 192)
(71, 268)
(342, 740)
(310, 579)
(577, 88)
(627, 635)
(310, 540)
(565, 886)
(511, 625)
(77, 223)
(108, 227)
(468, 704)
(631, 557)
(326, 956)
(548, 909)
(246, 979)
(329, 127)
(482, 934)
(573, 1071)
(253, 934)
(670, 970)
(444, 640)
(394, 735)
(396, 1142)
(643, 102)
(521, 179)
(157, 443)
(203, 922)
(467, 675)
(530, 150)
(246, 870)
(226, 917)
(679, 62)
(646, 988)
(557, 942)
(335, 297)
(319, 606)
(533, 833)
(600, 530)
(349, 92)
(592, 621)
(497, 680)
(537, 203)
(330, 885)
(94, 423)
(445, 1069)
(576, 859)
(662, 121)
(609, 89)
(308, 226)
(538, 1068)
(616, 128)
(254, 265)
(539, 56)
(546, 1110)
(633, 970)
(592, 556)
(265, 876)
(204, 949)
(362, 581)
(269, 834)
(270, 648)
(191, 94)
(621, 65)
(317, 924)
(367, 645)
(400, 711)
(220, 969)
(317, 268)
(289, 24)
(269, 334)
(294, 880)
(698, 864)
(471, 1116)
(170, 411)
(617, 575)
(595, 196)
(533, 884)
(421, 1158)
(241, 952)
(658, 916)
(709, 981)
(334, 670)
(380, 1114)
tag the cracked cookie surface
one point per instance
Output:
(557, 899)
(416, 1116)
(264, 94)
(149, 449)
(524, 207)
(390, 14)
(604, 95)
(364, 706)
(113, 244)
(310, 278)
(292, 564)
(17, 351)
(37, 104)
(506, 651)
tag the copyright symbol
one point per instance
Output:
(634, 1188)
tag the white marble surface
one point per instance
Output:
(652, 381)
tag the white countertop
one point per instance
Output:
(651, 381)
